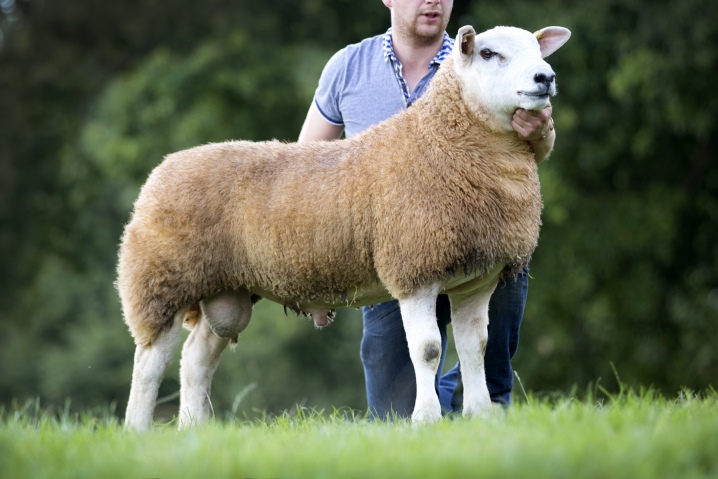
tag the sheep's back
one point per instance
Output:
(285, 218)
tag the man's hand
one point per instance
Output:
(536, 127)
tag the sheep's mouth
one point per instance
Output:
(541, 94)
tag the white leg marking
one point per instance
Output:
(200, 357)
(418, 313)
(149, 369)
(470, 321)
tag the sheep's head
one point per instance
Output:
(503, 69)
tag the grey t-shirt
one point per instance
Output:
(361, 85)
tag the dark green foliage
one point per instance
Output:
(94, 94)
(627, 268)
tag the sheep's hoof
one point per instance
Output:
(479, 406)
(426, 415)
(484, 411)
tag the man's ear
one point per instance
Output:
(466, 40)
(551, 39)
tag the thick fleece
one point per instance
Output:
(431, 193)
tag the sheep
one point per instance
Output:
(441, 198)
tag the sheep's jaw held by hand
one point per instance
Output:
(503, 69)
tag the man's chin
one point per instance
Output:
(427, 34)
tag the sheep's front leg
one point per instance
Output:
(149, 369)
(418, 313)
(470, 322)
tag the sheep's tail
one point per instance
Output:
(153, 296)
(146, 320)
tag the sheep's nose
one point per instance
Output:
(544, 79)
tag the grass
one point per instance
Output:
(636, 435)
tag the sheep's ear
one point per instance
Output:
(466, 39)
(551, 39)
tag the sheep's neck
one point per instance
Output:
(443, 109)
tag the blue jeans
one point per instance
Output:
(389, 374)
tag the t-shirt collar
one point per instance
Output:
(440, 57)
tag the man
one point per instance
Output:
(364, 84)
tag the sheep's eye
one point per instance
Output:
(487, 54)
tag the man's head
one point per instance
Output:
(503, 69)
(421, 22)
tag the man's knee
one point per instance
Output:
(383, 337)
(373, 350)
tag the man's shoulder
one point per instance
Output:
(371, 47)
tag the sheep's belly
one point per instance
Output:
(374, 293)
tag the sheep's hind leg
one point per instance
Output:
(223, 317)
(149, 368)
(470, 322)
(418, 313)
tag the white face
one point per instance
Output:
(503, 69)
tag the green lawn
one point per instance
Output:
(636, 436)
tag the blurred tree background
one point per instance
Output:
(94, 94)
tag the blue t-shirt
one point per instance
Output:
(362, 84)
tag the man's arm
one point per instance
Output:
(317, 128)
(536, 127)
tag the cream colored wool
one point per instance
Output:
(429, 193)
